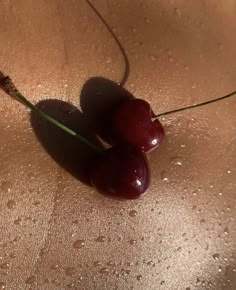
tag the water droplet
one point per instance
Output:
(229, 171)
(132, 29)
(12, 255)
(100, 239)
(220, 269)
(133, 213)
(79, 244)
(103, 270)
(31, 280)
(176, 161)
(153, 57)
(139, 277)
(36, 203)
(111, 263)
(220, 193)
(17, 221)
(195, 192)
(97, 263)
(164, 176)
(132, 242)
(162, 282)
(182, 145)
(11, 204)
(6, 186)
(220, 46)
(202, 221)
(226, 230)
(70, 271)
(5, 266)
(216, 257)
(55, 266)
(2, 285)
(177, 12)
(234, 269)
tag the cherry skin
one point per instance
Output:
(121, 171)
(131, 122)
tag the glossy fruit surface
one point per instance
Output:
(132, 123)
(121, 171)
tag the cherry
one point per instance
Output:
(131, 122)
(121, 171)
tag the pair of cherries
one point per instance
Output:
(123, 170)
(132, 129)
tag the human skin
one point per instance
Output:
(56, 231)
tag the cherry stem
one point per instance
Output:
(126, 61)
(195, 106)
(7, 85)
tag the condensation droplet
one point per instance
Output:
(12, 255)
(164, 176)
(228, 171)
(220, 46)
(70, 271)
(176, 161)
(182, 145)
(216, 257)
(220, 269)
(103, 270)
(6, 186)
(202, 221)
(139, 277)
(226, 230)
(2, 285)
(36, 203)
(11, 204)
(17, 221)
(162, 282)
(97, 263)
(133, 213)
(31, 280)
(5, 266)
(132, 242)
(177, 12)
(100, 239)
(79, 244)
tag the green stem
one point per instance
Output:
(9, 87)
(195, 106)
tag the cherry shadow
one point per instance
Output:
(70, 153)
(99, 96)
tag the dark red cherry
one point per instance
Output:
(121, 171)
(131, 122)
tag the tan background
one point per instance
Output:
(181, 234)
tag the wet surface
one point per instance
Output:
(57, 232)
